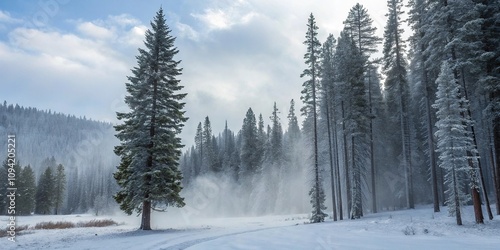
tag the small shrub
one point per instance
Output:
(55, 225)
(426, 231)
(409, 230)
(97, 223)
(3, 233)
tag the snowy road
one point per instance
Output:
(375, 231)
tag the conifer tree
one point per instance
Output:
(359, 26)
(309, 110)
(148, 175)
(249, 145)
(417, 20)
(276, 140)
(198, 140)
(327, 83)
(208, 147)
(293, 130)
(5, 184)
(27, 190)
(59, 188)
(356, 114)
(44, 196)
(455, 143)
(396, 82)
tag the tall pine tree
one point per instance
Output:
(44, 196)
(148, 175)
(26, 190)
(309, 110)
(455, 143)
(396, 82)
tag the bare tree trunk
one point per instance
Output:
(496, 140)
(372, 161)
(430, 133)
(494, 170)
(478, 212)
(146, 216)
(330, 152)
(346, 164)
(458, 213)
(337, 168)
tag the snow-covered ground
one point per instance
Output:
(175, 230)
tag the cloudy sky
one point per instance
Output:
(73, 56)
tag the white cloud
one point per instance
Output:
(124, 20)
(66, 47)
(227, 15)
(5, 17)
(123, 29)
(92, 30)
(134, 36)
(79, 72)
(187, 31)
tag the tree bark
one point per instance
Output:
(372, 161)
(330, 152)
(346, 164)
(496, 137)
(478, 212)
(337, 168)
(146, 216)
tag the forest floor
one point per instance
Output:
(407, 229)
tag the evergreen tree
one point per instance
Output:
(198, 140)
(208, 147)
(59, 188)
(148, 175)
(249, 145)
(420, 76)
(27, 190)
(293, 130)
(309, 110)
(5, 184)
(396, 82)
(3, 187)
(327, 107)
(360, 28)
(276, 140)
(356, 114)
(455, 144)
(44, 196)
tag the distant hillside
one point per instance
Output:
(83, 146)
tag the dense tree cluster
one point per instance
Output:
(47, 196)
(428, 133)
(79, 144)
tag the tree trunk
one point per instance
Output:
(485, 193)
(478, 212)
(458, 213)
(441, 184)
(372, 161)
(475, 193)
(346, 164)
(330, 152)
(146, 216)
(496, 137)
(337, 169)
(432, 153)
(316, 166)
(430, 134)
